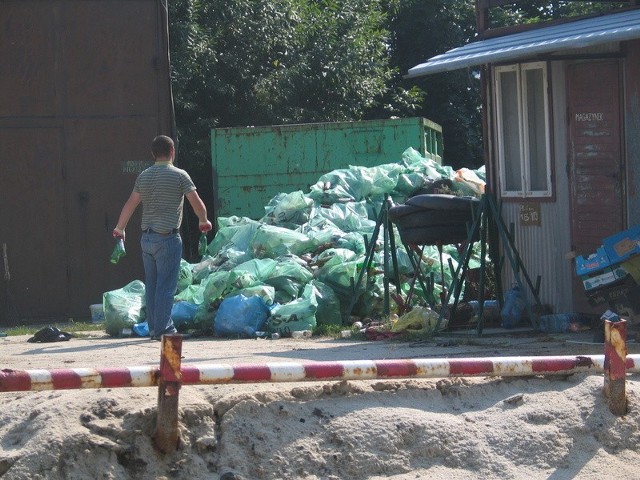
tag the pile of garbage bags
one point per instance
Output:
(296, 267)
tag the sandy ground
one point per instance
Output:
(457, 428)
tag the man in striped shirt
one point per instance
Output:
(161, 188)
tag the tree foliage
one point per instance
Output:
(534, 11)
(423, 29)
(261, 62)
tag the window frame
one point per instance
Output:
(525, 191)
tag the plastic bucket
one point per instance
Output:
(97, 313)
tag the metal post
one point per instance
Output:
(169, 382)
(385, 280)
(615, 358)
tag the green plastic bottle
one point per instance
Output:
(118, 251)
(202, 244)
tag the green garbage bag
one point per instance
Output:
(409, 183)
(201, 270)
(295, 316)
(342, 254)
(191, 294)
(123, 307)
(433, 169)
(288, 210)
(266, 292)
(203, 318)
(239, 280)
(355, 183)
(323, 234)
(260, 268)
(271, 241)
(233, 232)
(215, 285)
(353, 241)
(328, 311)
(349, 217)
(185, 276)
(288, 278)
(340, 274)
(429, 168)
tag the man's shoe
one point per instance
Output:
(172, 331)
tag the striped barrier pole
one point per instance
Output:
(77, 378)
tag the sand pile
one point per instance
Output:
(439, 429)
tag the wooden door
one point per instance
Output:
(595, 162)
(33, 221)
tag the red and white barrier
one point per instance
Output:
(79, 378)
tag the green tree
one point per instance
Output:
(257, 62)
(260, 62)
(534, 11)
(338, 66)
(423, 29)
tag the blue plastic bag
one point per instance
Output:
(513, 308)
(182, 314)
(141, 329)
(558, 323)
(240, 315)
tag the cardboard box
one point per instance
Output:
(596, 262)
(616, 293)
(622, 297)
(603, 278)
(623, 245)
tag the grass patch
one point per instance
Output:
(329, 330)
(72, 327)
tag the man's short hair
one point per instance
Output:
(161, 146)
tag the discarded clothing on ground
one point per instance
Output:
(49, 335)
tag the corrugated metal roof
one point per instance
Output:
(578, 34)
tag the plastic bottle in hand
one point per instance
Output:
(118, 251)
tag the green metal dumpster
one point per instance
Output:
(253, 164)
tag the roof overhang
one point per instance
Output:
(584, 33)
